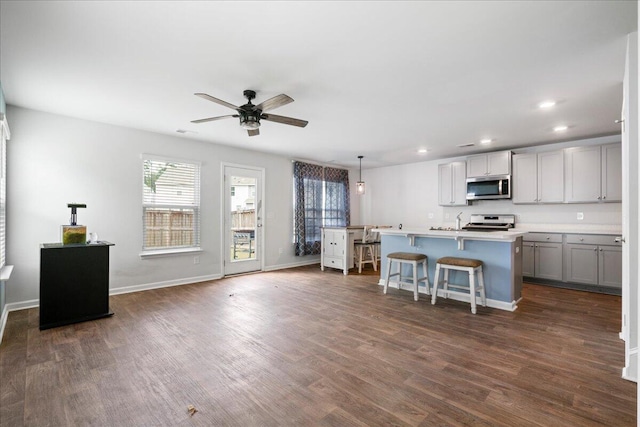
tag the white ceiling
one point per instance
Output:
(379, 79)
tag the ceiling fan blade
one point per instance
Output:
(216, 100)
(275, 102)
(284, 120)
(211, 119)
(253, 132)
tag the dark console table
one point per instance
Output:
(74, 283)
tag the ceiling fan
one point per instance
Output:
(250, 115)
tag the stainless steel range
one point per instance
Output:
(484, 222)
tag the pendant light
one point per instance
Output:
(360, 183)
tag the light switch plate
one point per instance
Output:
(580, 216)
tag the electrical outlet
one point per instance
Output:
(280, 251)
(196, 260)
(430, 215)
(580, 216)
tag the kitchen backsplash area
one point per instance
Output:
(604, 216)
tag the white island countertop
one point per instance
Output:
(505, 236)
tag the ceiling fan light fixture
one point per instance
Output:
(250, 123)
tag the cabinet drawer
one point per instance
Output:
(333, 262)
(543, 237)
(593, 239)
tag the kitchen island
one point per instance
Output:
(501, 252)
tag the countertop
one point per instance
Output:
(508, 236)
(571, 228)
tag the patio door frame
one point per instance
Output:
(260, 224)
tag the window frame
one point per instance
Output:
(147, 252)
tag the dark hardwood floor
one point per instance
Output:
(305, 347)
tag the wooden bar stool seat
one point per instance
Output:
(412, 259)
(473, 267)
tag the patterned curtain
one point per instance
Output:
(307, 181)
(336, 205)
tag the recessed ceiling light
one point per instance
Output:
(546, 104)
(422, 151)
(561, 128)
(486, 141)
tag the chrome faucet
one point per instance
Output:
(458, 220)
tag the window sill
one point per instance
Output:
(169, 252)
(5, 272)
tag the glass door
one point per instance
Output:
(242, 220)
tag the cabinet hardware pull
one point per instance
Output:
(618, 121)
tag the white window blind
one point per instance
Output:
(171, 204)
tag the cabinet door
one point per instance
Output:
(459, 178)
(528, 257)
(610, 266)
(524, 180)
(612, 173)
(339, 242)
(582, 174)
(551, 177)
(329, 242)
(548, 261)
(477, 166)
(499, 163)
(445, 185)
(581, 264)
(452, 184)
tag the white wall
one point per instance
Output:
(54, 160)
(408, 194)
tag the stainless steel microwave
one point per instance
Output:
(489, 187)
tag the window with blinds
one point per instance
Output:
(170, 204)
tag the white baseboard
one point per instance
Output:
(291, 265)
(630, 371)
(22, 305)
(501, 305)
(164, 284)
(3, 321)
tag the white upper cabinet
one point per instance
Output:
(593, 174)
(498, 163)
(452, 180)
(551, 177)
(525, 178)
(538, 178)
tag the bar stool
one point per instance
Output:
(471, 266)
(412, 259)
(366, 249)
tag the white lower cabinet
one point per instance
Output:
(337, 247)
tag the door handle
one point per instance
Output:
(619, 240)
